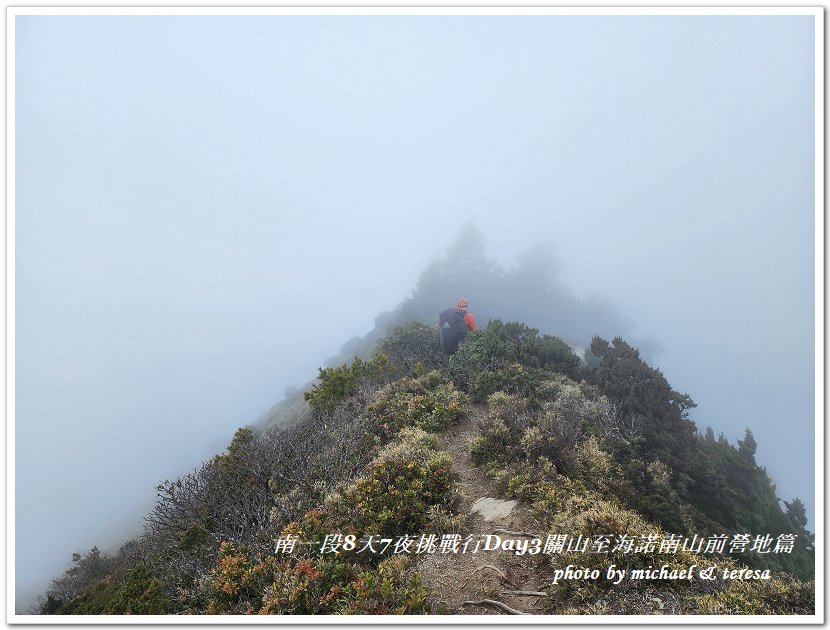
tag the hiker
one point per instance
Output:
(455, 323)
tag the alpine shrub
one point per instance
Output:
(425, 403)
(509, 357)
(135, 592)
(415, 346)
(336, 384)
(406, 479)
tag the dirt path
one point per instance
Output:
(460, 577)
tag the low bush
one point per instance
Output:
(509, 357)
(388, 589)
(769, 597)
(502, 429)
(415, 347)
(425, 403)
(135, 592)
(336, 384)
(406, 479)
(238, 580)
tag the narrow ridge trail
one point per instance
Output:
(485, 575)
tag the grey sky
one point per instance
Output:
(208, 207)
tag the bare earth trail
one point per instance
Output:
(485, 575)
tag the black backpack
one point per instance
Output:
(453, 328)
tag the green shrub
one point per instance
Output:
(562, 426)
(513, 378)
(386, 590)
(510, 357)
(406, 479)
(425, 403)
(87, 570)
(768, 597)
(415, 347)
(336, 384)
(306, 586)
(238, 580)
(550, 389)
(306, 582)
(480, 450)
(136, 592)
(501, 430)
(332, 585)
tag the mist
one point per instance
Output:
(207, 208)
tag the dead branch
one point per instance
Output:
(497, 604)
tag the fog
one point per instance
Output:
(207, 208)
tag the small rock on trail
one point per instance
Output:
(493, 509)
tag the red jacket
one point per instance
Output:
(470, 321)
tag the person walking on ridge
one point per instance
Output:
(455, 323)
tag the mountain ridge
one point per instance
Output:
(587, 449)
(589, 442)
